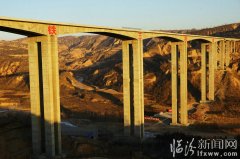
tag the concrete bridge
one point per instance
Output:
(44, 74)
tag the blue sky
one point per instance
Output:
(145, 14)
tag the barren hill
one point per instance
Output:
(228, 30)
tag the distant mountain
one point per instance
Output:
(228, 30)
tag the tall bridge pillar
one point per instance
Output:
(203, 73)
(210, 64)
(234, 47)
(228, 50)
(212, 55)
(222, 54)
(179, 109)
(232, 51)
(216, 55)
(127, 88)
(133, 89)
(183, 84)
(44, 93)
(174, 67)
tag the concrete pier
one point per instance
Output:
(179, 109)
(183, 84)
(56, 94)
(234, 49)
(138, 87)
(174, 67)
(36, 103)
(133, 88)
(222, 56)
(212, 55)
(228, 50)
(127, 91)
(203, 73)
(44, 92)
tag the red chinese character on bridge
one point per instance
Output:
(52, 30)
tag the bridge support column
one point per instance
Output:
(212, 70)
(36, 105)
(174, 67)
(222, 56)
(138, 88)
(232, 51)
(127, 88)
(234, 47)
(203, 73)
(216, 55)
(228, 50)
(183, 84)
(179, 112)
(44, 92)
(56, 95)
(133, 88)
